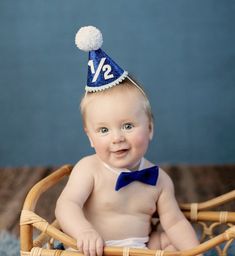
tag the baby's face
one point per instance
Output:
(118, 128)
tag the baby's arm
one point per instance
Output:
(69, 211)
(177, 228)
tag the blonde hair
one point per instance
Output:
(127, 85)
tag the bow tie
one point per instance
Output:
(148, 176)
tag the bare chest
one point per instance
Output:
(135, 199)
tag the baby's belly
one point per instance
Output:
(113, 227)
(119, 215)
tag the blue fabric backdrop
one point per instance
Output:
(181, 51)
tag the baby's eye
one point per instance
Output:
(128, 126)
(103, 130)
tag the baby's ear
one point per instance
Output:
(87, 133)
(151, 128)
(91, 143)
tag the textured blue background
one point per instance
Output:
(183, 52)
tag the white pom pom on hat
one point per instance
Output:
(89, 38)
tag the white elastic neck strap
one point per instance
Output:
(118, 171)
(137, 86)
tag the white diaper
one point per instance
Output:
(133, 242)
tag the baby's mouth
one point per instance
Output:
(120, 152)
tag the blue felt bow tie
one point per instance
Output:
(148, 176)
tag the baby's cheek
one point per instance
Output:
(140, 147)
(142, 140)
(101, 149)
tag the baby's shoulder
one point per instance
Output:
(164, 179)
(88, 164)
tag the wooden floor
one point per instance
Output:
(192, 184)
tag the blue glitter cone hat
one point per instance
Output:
(103, 72)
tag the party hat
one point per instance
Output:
(103, 72)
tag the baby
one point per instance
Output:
(96, 210)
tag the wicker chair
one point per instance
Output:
(43, 244)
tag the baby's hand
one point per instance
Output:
(90, 243)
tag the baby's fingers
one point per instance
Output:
(80, 245)
(86, 247)
(99, 247)
(92, 247)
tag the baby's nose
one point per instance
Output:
(118, 136)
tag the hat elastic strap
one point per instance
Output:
(128, 77)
